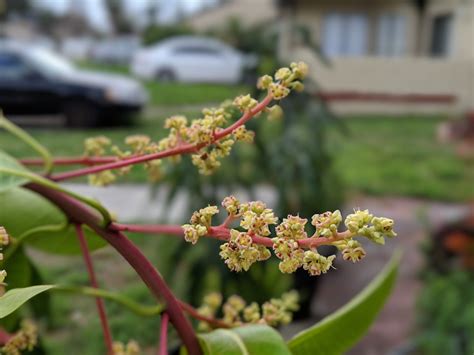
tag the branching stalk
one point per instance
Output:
(179, 150)
(93, 280)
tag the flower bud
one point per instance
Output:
(292, 227)
(278, 91)
(282, 74)
(4, 239)
(384, 226)
(274, 113)
(317, 264)
(231, 204)
(213, 300)
(251, 313)
(353, 251)
(300, 69)
(138, 143)
(264, 82)
(357, 220)
(95, 146)
(243, 135)
(245, 103)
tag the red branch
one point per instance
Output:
(223, 233)
(99, 301)
(216, 323)
(70, 161)
(4, 337)
(179, 150)
(79, 213)
(164, 334)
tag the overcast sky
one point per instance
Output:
(97, 15)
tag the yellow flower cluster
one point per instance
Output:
(240, 252)
(235, 311)
(132, 348)
(243, 248)
(200, 223)
(23, 341)
(285, 80)
(4, 240)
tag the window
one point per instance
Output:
(195, 49)
(345, 34)
(11, 66)
(441, 36)
(391, 35)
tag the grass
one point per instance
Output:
(380, 156)
(175, 94)
(401, 156)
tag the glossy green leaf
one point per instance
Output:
(35, 221)
(8, 181)
(247, 340)
(341, 330)
(19, 275)
(15, 298)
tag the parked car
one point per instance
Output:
(118, 50)
(192, 59)
(35, 81)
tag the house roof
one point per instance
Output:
(249, 12)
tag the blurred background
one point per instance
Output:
(386, 123)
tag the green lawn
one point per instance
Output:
(401, 156)
(175, 94)
(380, 156)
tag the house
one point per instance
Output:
(385, 55)
(249, 13)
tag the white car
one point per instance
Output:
(191, 59)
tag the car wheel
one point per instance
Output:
(80, 114)
(166, 75)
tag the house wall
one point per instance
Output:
(463, 25)
(311, 14)
(409, 79)
(415, 84)
(249, 12)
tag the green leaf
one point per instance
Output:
(14, 299)
(19, 275)
(246, 340)
(137, 308)
(35, 221)
(28, 139)
(41, 305)
(8, 181)
(341, 330)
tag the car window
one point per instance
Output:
(12, 66)
(196, 49)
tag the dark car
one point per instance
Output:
(36, 81)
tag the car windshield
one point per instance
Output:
(51, 63)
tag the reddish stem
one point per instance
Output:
(216, 323)
(223, 233)
(179, 150)
(152, 229)
(79, 213)
(99, 301)
(70, 161)
(4, 337)
(164, 334)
